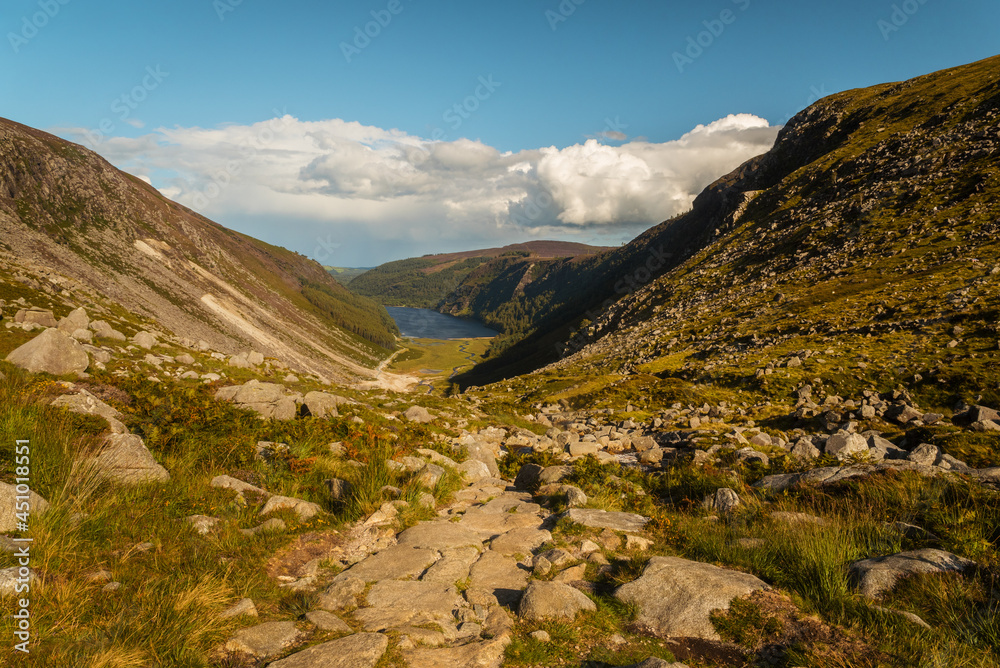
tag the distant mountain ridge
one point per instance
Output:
(426, 281)
(67, 217)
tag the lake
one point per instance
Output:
(422, 323)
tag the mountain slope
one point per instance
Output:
(425, 281)
(860, 252)
(66, 210)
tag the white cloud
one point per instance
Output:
(339, 175)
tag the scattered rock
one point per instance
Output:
(244, 608)
(144, 340)
(304, 509)
(418, 414)
(724, 500)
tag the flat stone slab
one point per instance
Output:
(487, 654)
(264, 640)
(553, 600)
(487, 525)
(439, 536)
(398, 562)
(675, 596)
(394, 603)
(361, 650)
(341, 594)
(520, 541)
(501, 575)
(327, 621)
(453, 566)
(876, 576)
(602, 519)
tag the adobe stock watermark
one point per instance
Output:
(816, 94)
(626, 285)
(562, 12)
(325, 249)
(22, 514)
(364, 34)
(31, 25)
(699, 43)
(899, 17)
(249, 149)
(126, 103)
(223, 7)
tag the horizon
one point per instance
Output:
(335, 132)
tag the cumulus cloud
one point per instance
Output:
(383, 184)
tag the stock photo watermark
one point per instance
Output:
(22, 552)
(31, 25)
(816, 94)
(364, 34)
(698, 43)
(223, 7)
(126, 103)
(562, 12)
(899, 16)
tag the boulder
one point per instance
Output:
(106, 331)
(844, 446)
(53, 352)
(184, 358)
(924, 454)
(553, 600)
(724, 500)
(321, 404)
(474, 470)
(878, 575)
(418, 414)
(124, 458)
(36, 316)
(360, 650)
(77, 319)
(675, 596)
(8, 506)
(11, 577)
(575, 497)
(144, 340)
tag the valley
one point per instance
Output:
(778, 444)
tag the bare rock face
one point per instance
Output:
(876, 576)
(53, 352)
(675, 596)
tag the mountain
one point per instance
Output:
(70, 221)
(872, 220)
(424, 282)
(345, 275)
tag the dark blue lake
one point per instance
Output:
(422, 323)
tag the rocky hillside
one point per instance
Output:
(73, 226)
(432, 280)
(875, 212)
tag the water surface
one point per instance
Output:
(422, 323)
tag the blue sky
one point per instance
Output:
(458, 124)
